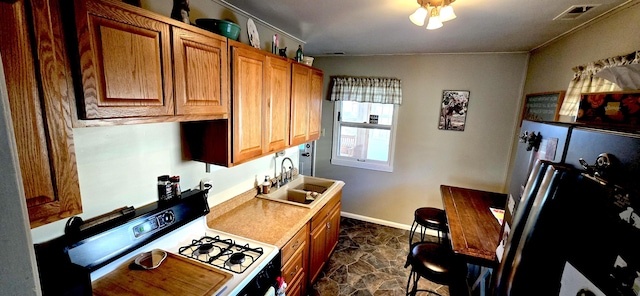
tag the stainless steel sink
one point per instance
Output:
(304, 191)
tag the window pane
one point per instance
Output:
(364, 143)
(359, 112)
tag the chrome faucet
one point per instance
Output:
(283, 171)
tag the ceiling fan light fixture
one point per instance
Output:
(437, 11)
(447, 14)
(434, 20)
(419, 16)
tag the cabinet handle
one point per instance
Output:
(296, 245)
(328, 225)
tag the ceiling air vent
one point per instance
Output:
(575, 12)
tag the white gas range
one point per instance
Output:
(179, 228)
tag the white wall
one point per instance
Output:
(426, 157)
(550, 66)
(19, 273)
(118, 166)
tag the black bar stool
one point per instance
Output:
(436, 263)
(431, 218)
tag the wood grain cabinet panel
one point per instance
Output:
(39, 88)
(300, 90)
(278, 106)
(125, 60)
(306, 104)
(200, 68)
(325, 229)
(271, 98)
(294, 261)
(248, 97)
(315, 105)
(297, 287)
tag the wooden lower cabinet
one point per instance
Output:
(294, 262)
(298, 286)
(325, 229)
(304, 256)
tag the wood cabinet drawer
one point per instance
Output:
(296, 288)
(299, 240)
(318, 219)
(294, 266)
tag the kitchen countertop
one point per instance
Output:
(260, 219)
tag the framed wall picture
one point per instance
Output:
(453, 110)
(542, 106)
(621, 108)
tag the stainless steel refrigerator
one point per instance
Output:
(576, 230)
(307, 159)
(538, 140)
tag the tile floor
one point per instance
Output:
(369, 260)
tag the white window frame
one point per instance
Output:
(336, 159)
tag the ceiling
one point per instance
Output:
(373, 27)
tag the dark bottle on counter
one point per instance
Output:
(175, 186)
(164, 188)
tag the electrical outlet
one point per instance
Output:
(206, 184)
(322, 133)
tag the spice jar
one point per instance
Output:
(175, 186)
(164, 188)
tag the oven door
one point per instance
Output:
(265, 279)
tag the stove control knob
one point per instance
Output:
(169, 217)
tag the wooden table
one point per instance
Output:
(473, 230)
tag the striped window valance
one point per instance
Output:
(585, 80)
(366, 89)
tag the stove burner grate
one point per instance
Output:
(222, 253)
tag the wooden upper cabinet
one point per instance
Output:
(125, 60)
(278, 107)
(200, 64)
(315, 105)
(248, 92)
(39, 87)
(300, 90)
(306, 104)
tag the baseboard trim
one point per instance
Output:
(384, 222)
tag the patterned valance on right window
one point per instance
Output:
(586, 80)
(366, 89)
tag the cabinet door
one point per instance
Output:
(315, 105)
(125, 64)
(278, 98)
(317, 254)
(300, 90)
(333, 230)
(200, 67)
(248, 93)
(40, 104)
